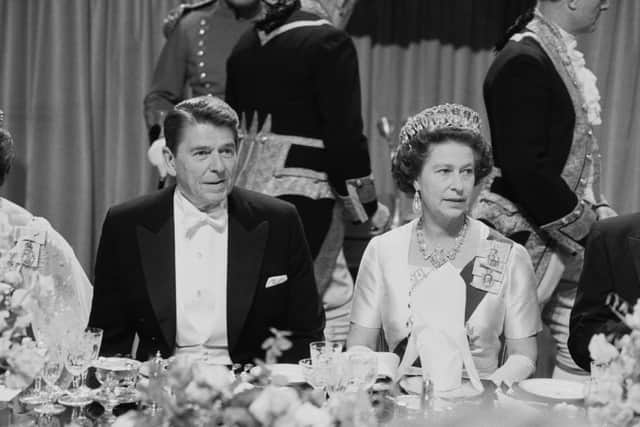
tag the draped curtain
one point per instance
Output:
(73, 74)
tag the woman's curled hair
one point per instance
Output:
(410, 156)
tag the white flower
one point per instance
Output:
(217, 377)
(601, 350)
(309, 415)
(128, 419)
(633, 397)
(618, 415)
(13, 278)
(273, 403)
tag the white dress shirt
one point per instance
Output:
(201, 280)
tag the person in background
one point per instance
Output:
(204, 267)
(611, 264)
(294, 79)
(445, 270)
(200, 37)
(60, 289)
(543, 106)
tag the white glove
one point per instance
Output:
(380, 218)
(156, 158)
(605, 211)
(516, 368)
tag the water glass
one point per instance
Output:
(317, 348)
(51, 372)
(77, 359)
(361, 369)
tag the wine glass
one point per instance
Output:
(51, 373)
(76, 359)
(36, 395)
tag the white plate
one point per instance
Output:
(292, 372)
(554, 389)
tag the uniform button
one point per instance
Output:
(203, 75)
(207, 85)
(583, 181)
(589, 156)
(201, 64)
(202, 31)
(200, 43)
(203, 22)
(200, 52)
(590, 132)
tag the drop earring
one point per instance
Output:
(417, 203)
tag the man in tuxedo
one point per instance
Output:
(611, 264)
(204, 267)
(543, 105)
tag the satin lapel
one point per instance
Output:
(247, 242)
(634, 246)
(157, 254)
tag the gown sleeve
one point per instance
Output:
(368, 291)
(522, 315)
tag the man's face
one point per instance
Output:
(585, 14)
(204, 164)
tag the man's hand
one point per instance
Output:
(156, 158)
(605, 211)
(380, 219)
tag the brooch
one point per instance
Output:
(490, 265)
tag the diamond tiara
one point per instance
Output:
(445, 116)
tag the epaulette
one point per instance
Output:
(170, 22)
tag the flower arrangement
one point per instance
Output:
(191, 393)
(19, 360)
(614, 392)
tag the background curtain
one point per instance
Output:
(73, 74)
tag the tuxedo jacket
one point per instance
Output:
(612, 264)
(532, 121)
(135, 290)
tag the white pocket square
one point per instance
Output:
(276, 280)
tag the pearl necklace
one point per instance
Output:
(438, 256)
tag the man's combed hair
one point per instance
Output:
(409, 158)
(7, 154)
(203, 110)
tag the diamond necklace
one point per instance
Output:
(438, 256)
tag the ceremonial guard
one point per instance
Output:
(294, 79)
(544, 193)
(192, 63)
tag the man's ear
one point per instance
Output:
(170, 161)
(572, 4)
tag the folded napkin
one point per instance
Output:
(438, 335)
(387, 362)
(7, 394)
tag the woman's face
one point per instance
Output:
(446, 181)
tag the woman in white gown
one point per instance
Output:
(445, 271)
(59, 286)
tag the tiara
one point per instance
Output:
(1, 118)
(445, 116)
